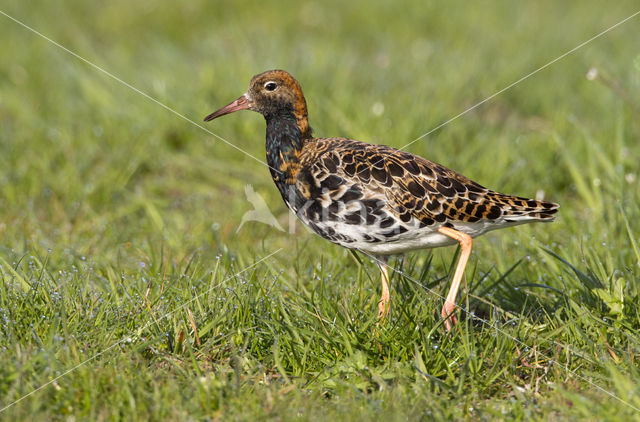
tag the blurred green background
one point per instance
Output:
(115, 211)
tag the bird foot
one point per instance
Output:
(383, 310)
(449, 316)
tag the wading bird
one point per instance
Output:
(374, 198)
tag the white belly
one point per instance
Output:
(424, 238)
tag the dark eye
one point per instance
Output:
(270, 86)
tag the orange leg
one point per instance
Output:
(384, 305)
(465, 250)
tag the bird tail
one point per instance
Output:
(519, 209)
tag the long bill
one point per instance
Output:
(241, 103)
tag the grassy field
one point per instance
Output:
(127, 292)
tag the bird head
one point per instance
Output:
(272, 93)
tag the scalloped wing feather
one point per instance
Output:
(412, 186)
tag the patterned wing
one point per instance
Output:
(410, 187)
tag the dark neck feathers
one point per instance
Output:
(285, 140)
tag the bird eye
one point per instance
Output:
(270, 86)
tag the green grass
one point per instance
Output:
(120, 260)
